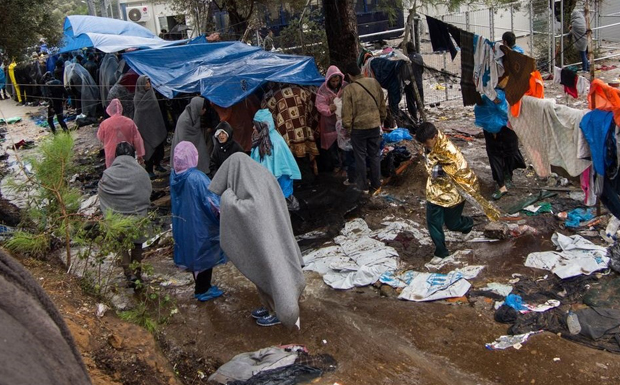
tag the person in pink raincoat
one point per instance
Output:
(116, 129)
(330, 90)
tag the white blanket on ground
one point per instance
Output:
(550, 135)
(577, 256)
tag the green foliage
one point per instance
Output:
(308, 38)
(390, 8)
(33, 244)
(154, 309)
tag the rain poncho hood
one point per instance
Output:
(195, 214)
(185, 157)
(116, 129)
(148, 118)
(281, 161)
(253, 214)
(77, 77)
(189, 129)
(324, 98)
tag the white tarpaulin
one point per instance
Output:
(434, 286)
(576, 256)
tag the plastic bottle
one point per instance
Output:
(612, 228)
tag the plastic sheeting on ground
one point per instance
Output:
(225, 73)
(108, 35)
(576, 256)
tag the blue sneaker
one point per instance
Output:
(210, 294)
(260, 313)
(268, 320)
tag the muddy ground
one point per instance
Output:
(376, 338)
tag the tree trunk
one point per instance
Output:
(341, 29)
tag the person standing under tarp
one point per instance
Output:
(224, 145)
(195, 222)
(125, 189)
(91, 66)
(189, 129)
(116, 129)
(270, 150)
(257, 236)
(363, 112)
(108, 76)
(150, 123)
(83, 87)
(56, 95)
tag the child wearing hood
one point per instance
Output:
(223, 146)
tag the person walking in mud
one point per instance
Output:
(56, 95)
(449, 177)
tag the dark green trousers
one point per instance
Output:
(436, 216)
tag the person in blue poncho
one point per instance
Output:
(270, 150)
(502, 143)
(195, 221)
(3, 93)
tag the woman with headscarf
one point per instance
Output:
(223, 146)
(189, 129)
(257, 236)
(195, 221)
(125, 189)
(116, 129)
(150, 122)
(270, 150)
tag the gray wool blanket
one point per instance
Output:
(188, 129)
(125, 187)
(147, 117)
(36, 345)
(256, 233)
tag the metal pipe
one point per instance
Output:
(532, 28)
(562, 38)
(597, 59)
(552, 61)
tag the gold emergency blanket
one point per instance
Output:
(444, 190)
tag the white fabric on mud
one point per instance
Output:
(550, 135)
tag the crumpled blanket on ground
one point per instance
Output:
(577, 256)
(245, 365)
(356, 260)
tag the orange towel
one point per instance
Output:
(606, 98)
(537, 90)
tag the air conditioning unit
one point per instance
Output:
(139, 14)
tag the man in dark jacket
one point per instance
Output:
(223, 146)
(56, 94)
(414, 70)
(92, 67)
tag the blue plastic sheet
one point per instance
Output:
(578, 215)
(108, 35)
(225, 72)
(491, 116)
(515, 302)
(397, 135)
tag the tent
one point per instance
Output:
(108, 35)
(225, 73)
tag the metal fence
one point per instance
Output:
(537, 30)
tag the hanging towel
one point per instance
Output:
(549, 134)
(518, 68)
(488, 66)
(568, 78)
(468, 88)
(456, 34)
(583, 85)
(440, 36)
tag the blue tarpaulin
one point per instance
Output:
(225, 73)
(108, 35)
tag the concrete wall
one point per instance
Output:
(608, 8)
(156, 10)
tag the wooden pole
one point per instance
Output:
(586, 13)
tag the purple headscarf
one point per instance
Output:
(185, 156)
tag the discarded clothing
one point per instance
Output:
(577, 256)
(440, 36)
(247, 230)
(605, 293)
(517, 67)
(397, 135)
(245, 365)
(515, 302)
(289, 375)
(550, 135)
(468, 89)
(576, 216)
(536, 89)
(598, 129)
(505, 342)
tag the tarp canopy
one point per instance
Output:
(225, 73)
(108, 35)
